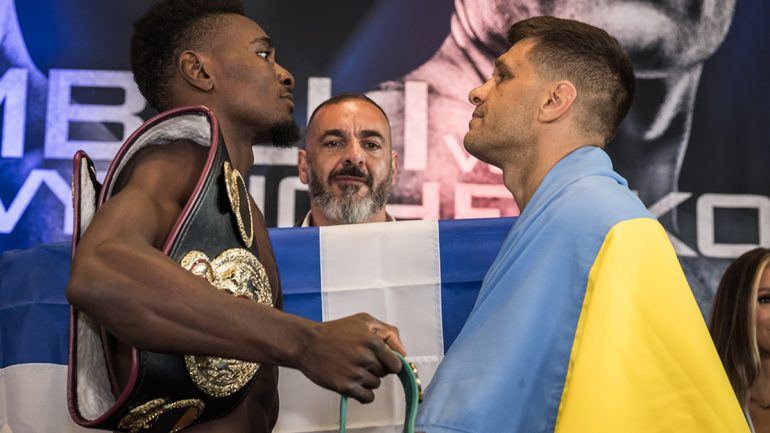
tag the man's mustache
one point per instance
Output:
(352, 171)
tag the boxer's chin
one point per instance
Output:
(285, 133)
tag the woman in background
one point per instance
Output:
(740, 326)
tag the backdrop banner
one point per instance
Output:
(694, 145)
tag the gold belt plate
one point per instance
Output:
(239, 273)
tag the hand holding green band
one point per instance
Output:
(412, 393)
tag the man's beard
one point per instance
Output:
(285, 133)
(349, 208)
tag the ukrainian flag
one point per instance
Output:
(584, 323)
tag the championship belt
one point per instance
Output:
(214, 239)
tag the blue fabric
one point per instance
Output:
(506, 369)
(34, 313)
(467, 250)
(298, 258)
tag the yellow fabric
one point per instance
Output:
(642, 359)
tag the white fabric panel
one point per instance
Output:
(393, 273)
(33, 399)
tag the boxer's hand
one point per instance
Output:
(388, 333)
(350, 355)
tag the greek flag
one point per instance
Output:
(422, 276)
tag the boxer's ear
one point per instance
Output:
(560, 98)
(192, 68)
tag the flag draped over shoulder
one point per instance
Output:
(421, 276)
(642, 359)
(584, 323)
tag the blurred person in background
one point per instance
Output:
(740, 326)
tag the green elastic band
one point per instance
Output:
(411, 393)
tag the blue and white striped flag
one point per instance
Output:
(422, 276)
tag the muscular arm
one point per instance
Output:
(121, 278)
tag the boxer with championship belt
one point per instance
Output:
(175, 294)
(214, 239)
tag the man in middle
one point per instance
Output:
(348, 162)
